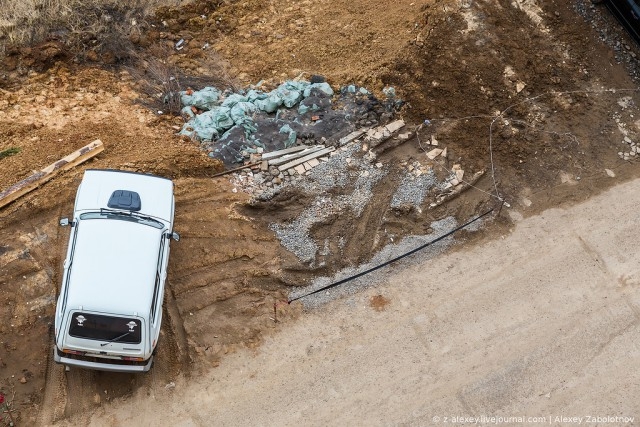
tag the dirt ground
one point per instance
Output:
(538, 327)
(526, 91)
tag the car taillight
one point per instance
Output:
(79, 353)
(133, 359)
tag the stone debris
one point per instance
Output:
(390, 251)
(350, 164)
(232, 124)
(395, 126)
(449, 191)
(352, 136)
(632, 151)
(294, 235)
(414, 187)
(458, 171)
(434, 153)
(610, 173)
(380, 134)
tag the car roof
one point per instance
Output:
(113, 268)
(97, 186)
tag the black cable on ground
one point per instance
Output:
(362, 273)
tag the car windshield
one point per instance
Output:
(123, 216)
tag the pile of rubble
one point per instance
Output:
(634, 149)
(268, 172)
(351, 164)
(232, 125)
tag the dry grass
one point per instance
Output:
(106, 32)
(99, 26)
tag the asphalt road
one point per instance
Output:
(543, 322)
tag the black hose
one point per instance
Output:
(362, 273)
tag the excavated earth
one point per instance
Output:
(538, 95)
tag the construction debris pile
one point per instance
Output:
(233, 125)
(353, 167)
(302, 137)
(273, 170)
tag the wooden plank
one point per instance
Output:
(352, 136)
(395, 126)
(392, 143)
(289, 157)
(248, 165)
(274, 154)
(33, 181)
(458, 189)
(305, 158)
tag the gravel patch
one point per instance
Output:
(391, 251)
(413, 190)
(341, 169)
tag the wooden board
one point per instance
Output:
(301, 160)
(34, 181)
(274, 154)
(353, 136)
(289, 157)
(391, 143)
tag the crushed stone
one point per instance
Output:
(295, 235)
(413, 190)
(390, 251)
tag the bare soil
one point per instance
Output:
(530, 80)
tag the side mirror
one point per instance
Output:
(173, 235)
(64, 222)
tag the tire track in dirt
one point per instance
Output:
(54, 399)
(223, 272)
(177, 357)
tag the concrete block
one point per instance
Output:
(434, 153)
(394, 126)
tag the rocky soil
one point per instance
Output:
(535, 101)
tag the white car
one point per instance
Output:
(109, 311)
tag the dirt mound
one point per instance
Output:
(523, 91)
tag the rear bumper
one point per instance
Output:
(100, 366)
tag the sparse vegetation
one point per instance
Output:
(9, 152)
(98, 29)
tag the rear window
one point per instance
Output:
(105, 328)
